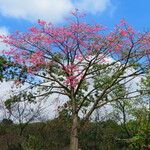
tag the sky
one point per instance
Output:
(21, 14)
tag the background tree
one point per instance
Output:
(23, 110)
(133, 116)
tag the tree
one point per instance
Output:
(83, 62)
(133, 115)
(144, 118)
(22, 111)
(19, 111)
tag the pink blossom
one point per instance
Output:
(33, 29)
(41, 22)
(123, 32)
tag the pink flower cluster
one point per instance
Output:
(74, 75)
(76, 41)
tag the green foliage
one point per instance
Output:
(54, 135)
(2, 67)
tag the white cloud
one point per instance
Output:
(51, 10)
(50, 105)
(93, 6)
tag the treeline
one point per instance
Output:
(55, 135)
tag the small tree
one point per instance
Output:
(83, 62)
(22, 109)
(134, 116)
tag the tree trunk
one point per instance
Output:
(74, 134)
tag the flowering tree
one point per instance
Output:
(84, 62)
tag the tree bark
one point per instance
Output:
(74, 133)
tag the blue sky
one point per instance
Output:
(21, 14)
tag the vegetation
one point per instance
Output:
(54, 135)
